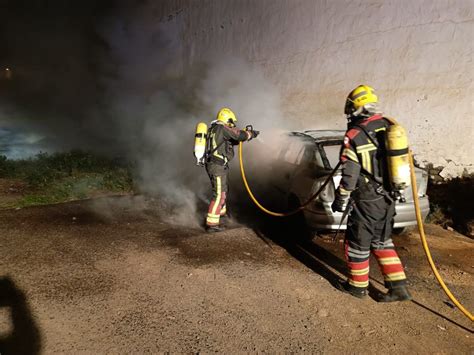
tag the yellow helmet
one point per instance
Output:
(360, 97)
(227, 116)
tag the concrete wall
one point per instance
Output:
(418, 54)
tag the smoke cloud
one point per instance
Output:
(121, 88)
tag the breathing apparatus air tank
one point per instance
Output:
(200, 142)
(397, 156)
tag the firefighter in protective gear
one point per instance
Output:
(365, 193)
(222, 136)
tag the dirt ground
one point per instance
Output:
(112, 277)
(11, 191)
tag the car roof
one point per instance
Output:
(321, 135)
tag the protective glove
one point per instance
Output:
(253, 134)
(340, 202)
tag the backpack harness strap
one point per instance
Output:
(375, 183)
(210, 152)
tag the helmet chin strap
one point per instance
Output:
(364, 112)
(359, 111)
(356, 115)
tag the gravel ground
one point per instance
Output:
(111, 277)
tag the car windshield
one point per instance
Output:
(332, 150)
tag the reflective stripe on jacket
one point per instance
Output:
(221, 142)
(360, 155)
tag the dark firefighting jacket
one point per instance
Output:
(364, 162)
(221, 141)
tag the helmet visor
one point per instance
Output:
(349, 107)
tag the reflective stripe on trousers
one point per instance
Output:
(358, 263)
(217, 208)
(369, 229)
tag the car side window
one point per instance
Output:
(294, 152)
(332, 151)
(318, 158)
(308, 155)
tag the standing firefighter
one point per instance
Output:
(366, 192)
(221, 138)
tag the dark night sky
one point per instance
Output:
(45, 42)
(105, 78)
(56, 53)
(99, 76)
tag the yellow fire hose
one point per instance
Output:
(281, 214)
(421, 230)
(418, 219)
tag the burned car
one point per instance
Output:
(304, 163)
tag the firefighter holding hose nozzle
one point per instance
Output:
(214, 149)
(374, 175)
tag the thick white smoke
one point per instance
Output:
(157, 104)
(125, 88)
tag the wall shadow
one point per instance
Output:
(454, 199)
(25, 336)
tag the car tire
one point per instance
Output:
(296, 224)
(398, 231)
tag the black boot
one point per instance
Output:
(396, 294)
(346, 287)
(224, 219)
(214, 229)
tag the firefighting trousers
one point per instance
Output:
(369, 229)
(219, 176)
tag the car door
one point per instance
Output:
(288, 159)
(305, 172)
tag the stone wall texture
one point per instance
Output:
(418, 54)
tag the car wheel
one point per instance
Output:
(398, 231)
(296, 226)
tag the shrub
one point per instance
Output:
(63, 176)
(7, 167)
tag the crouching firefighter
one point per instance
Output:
(222, 136)
(366, 193)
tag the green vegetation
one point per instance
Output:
(59, 177)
